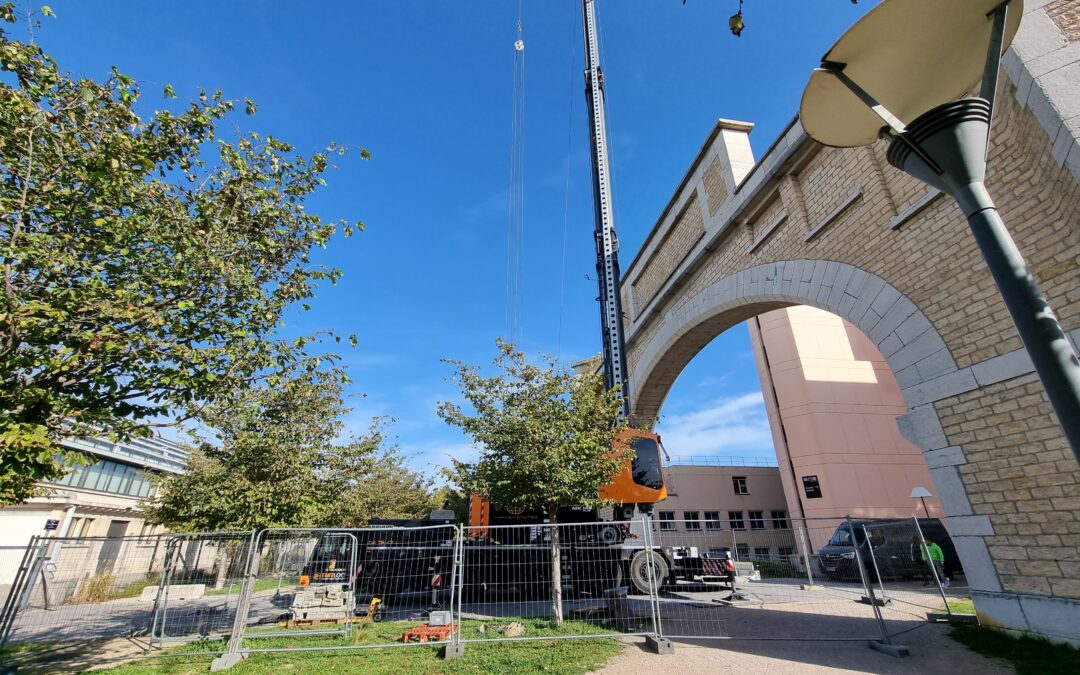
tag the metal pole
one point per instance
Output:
(805, 540)
(1046, 343)
(654, 594)
(877, 570)
(933, 569)
(866, 583)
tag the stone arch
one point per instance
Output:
(911, 345)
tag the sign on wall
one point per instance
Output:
(812, 487)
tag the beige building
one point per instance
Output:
(103, 499)
(737, 508)
(832, 402)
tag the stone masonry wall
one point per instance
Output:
(917, 280)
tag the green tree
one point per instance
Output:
(545, 435)
(367, 479)
(147, 262)
(263, 468)
(276, 463)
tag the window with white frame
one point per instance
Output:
(667, 521)
(712, 520)
(693, 520)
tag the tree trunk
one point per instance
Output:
(556, 569)
(222, 562)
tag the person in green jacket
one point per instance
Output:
(937, 557)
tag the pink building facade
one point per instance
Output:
(832, 403)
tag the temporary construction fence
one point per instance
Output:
(233, 593)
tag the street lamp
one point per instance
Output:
(922, 493)
(910, 60)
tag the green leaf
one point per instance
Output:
(169, 92)
(47, 11)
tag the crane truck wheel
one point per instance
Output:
(648, 568)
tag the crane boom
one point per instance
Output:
(607, 244)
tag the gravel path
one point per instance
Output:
(932, 653)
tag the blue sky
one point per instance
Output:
(426, 86)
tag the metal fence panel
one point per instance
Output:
(910, 587)
(506, 580)
(199, 592)
(86, 588)
(789, 581)
(330, 589)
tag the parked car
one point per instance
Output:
(895, 545)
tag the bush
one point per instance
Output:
(97, 588)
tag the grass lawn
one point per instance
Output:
(1029, 655)
(260, 585)
(560, 656)
(962, 606)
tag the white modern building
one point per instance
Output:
(102, 499)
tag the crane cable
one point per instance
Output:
(515, 236)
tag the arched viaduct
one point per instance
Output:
(841, 230)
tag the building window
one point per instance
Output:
(718, 552)
(109, 476)
(667, 521)
(736, 520)
(757, 520)
(742, 551)
(80, 527)
(739, 483)
(779, 520)
(712, 520)
(761, 552)
(693, 521)
(785, 551)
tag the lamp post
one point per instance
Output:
(911, 59)
(922, 493)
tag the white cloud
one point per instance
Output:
(734, 425)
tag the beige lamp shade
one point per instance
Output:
(910, 55)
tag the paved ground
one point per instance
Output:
(932, 653)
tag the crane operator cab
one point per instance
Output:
(641, 481)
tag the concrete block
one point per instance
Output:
(922, 427)
(869, 319)
(886, 298)
(892, 318)
(907, 377)
(950, 456)
(918, 349)
(1004, 367)
(1067, 136)
(867, 294)
(978, 565)
(1012, 65)
(1062, 87)
(890, 345)
(1042, 107)
(970, 526)
(956, 382)
(936, 365)
(1038, 35)
(1055, 617)
(951, 491)
(912, 327)
(660, 645)
(999, 610)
